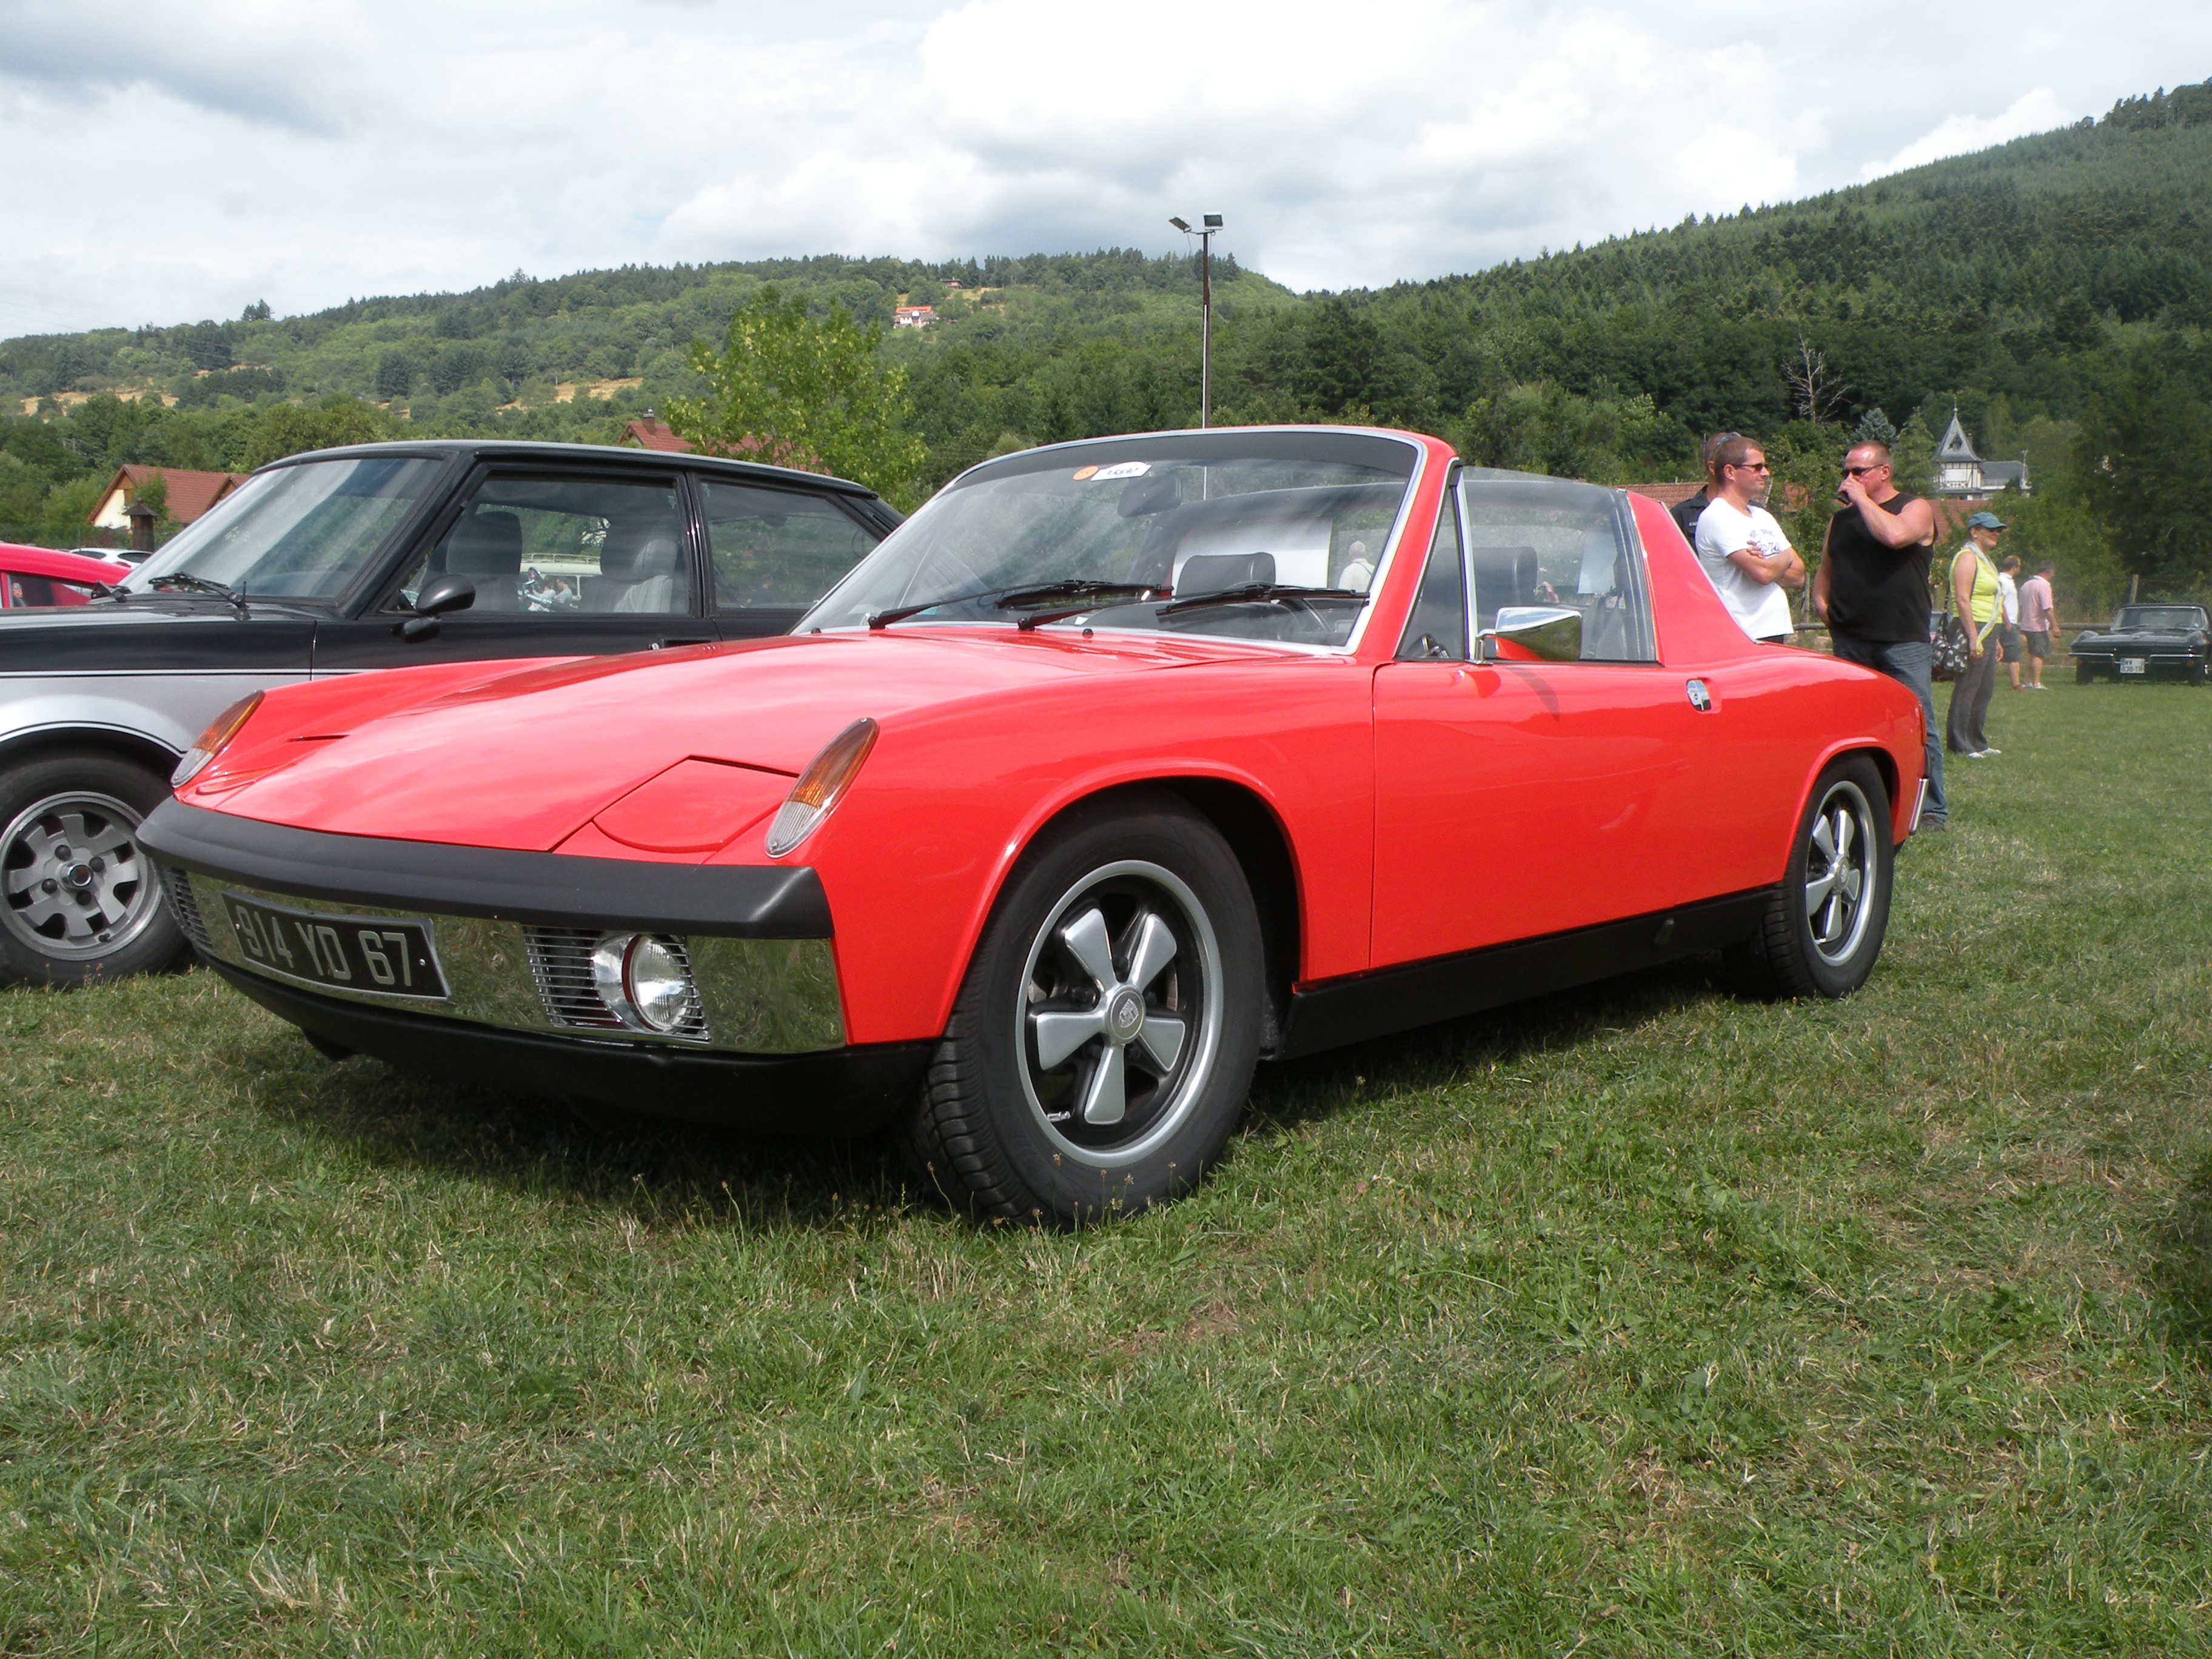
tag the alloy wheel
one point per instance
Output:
(1121, 1012)
(1838, 857)
(76, 886)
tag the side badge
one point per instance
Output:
(1700, 699)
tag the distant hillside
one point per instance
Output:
(2025, 283)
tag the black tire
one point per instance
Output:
(1822, 931)
(79, 900)
(2084, 675)
(2196, 675)
(1147, 890)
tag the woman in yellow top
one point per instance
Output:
(1974, 592)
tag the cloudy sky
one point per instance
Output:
(169, 160)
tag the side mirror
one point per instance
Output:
(1533, 633)
(438, 595)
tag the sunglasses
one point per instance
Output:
(1861, 471)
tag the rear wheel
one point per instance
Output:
(1822, 931)
(1103, 1044)
(79, 900)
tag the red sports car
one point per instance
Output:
(35, 576)
(1123, 765)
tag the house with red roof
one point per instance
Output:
(189, 493)
(651, 432)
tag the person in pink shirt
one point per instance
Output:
(2036, 622)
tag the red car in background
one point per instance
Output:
(1122, 765)
(39, 576)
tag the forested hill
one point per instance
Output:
(2035, 285)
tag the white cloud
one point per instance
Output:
(1961, 135)
(177, 162)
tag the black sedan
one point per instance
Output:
(2146, 641)
(343, 560)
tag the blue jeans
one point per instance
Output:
(1908, 663)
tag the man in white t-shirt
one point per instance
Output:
(1745, 555)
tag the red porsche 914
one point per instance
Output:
(1123, 765)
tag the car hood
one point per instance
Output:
(524, 760)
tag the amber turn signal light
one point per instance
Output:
(212, 742)
(820, 787)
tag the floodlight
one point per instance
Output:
(1212, 221)
(1180, 225)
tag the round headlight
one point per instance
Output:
(645, 979)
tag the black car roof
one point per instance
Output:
(511, 449)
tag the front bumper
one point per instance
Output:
(765, 1046)
(835, 1091)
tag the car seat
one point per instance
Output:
(638, 569)
(487, 548)
(1212, 573)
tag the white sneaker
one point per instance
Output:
(1988, 754)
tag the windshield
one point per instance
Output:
(2173, 617)
(1254, 534)
(302, 533)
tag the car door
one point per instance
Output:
(566, 559)
(1516, 799)
(774, 550)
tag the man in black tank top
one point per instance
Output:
(1872, 590)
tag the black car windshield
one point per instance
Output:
(1253, 533)
(304, 532)
(2174, 618)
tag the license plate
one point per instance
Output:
(2133, 665)
(344, 953)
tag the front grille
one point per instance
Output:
(186, 907)
(561, 967)
(561, 963)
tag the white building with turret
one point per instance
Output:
(1960, 472)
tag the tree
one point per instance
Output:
(1814, 391)
(2143, 464)
(1874, 428)
(788, 389)
(395, 375)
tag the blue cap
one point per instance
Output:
(1985, 521)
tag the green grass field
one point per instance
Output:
(1635, 1321)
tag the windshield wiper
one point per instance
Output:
(1008, 598)
(201, 585)
(1088, 591)
(1263, 593)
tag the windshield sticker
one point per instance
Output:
(1125, 470)
(1084, 472)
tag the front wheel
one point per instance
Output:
(2084, 675)
(1103, 1041)
(1822, 930)
(79, 900)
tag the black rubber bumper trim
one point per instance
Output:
(746, 901)
(835, 1091)
(1363, 1005)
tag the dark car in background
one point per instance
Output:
(2146, 641)
(315, 567)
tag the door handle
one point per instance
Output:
(1700, 696)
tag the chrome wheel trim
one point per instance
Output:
(1839, 869)
(75, 858)
(1106, 997)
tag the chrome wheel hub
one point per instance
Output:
(1839, 866)
(74, 883)
(1120, 1012)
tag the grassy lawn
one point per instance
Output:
(1634, 1321)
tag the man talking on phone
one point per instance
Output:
(1872, 590)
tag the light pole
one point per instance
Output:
(1208, 223)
